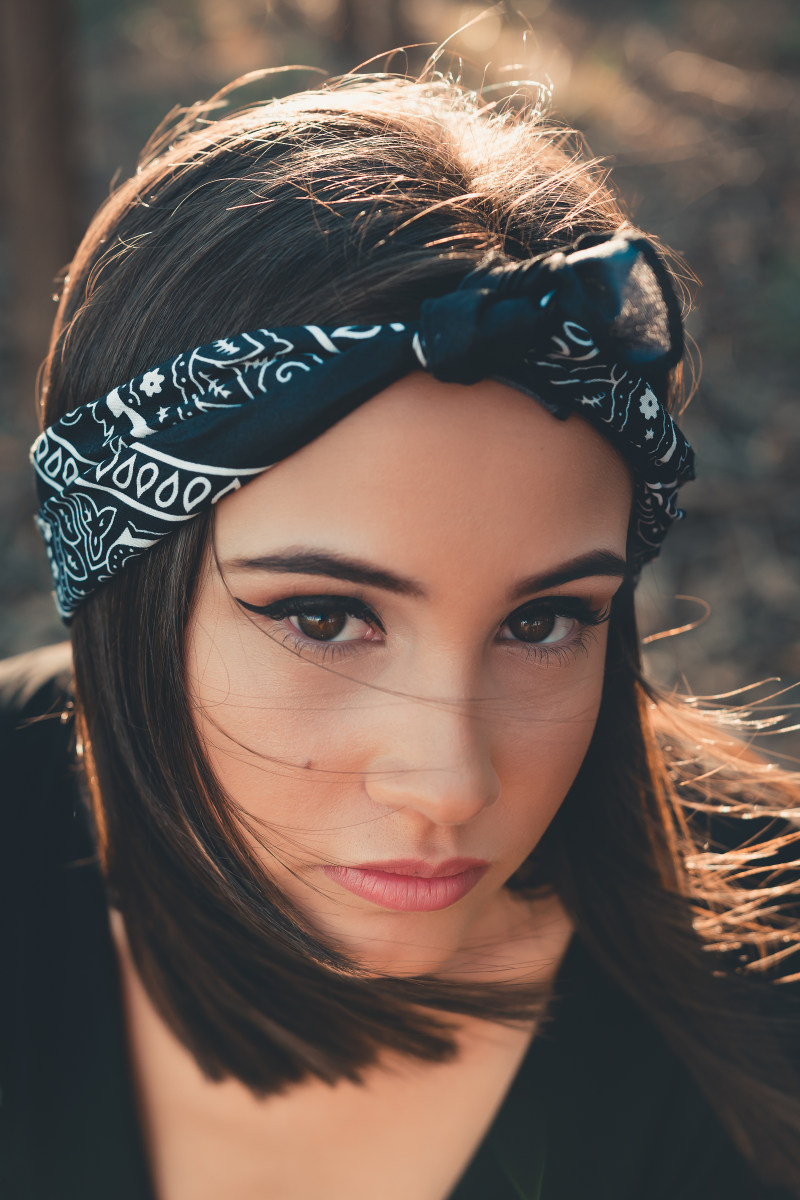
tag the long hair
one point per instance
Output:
(353, 203)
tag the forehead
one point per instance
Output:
(430, 474)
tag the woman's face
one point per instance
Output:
(398, 663)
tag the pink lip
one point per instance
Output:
(411, 885)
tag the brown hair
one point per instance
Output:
(354, 203)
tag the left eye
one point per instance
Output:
(541, 627)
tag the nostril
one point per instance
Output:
(445, 796)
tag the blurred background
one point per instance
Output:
(693, 103)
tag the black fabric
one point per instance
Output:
(68, 1120)
(615, 1111)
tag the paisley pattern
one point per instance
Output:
(117, 474)
(619, 402)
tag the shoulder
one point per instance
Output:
(35, 730)
(34, 684)
(36, 741)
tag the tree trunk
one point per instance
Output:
(39, 189)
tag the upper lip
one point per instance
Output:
(421, 869)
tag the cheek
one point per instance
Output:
(538, 775)
(281, 742)
(545, 738)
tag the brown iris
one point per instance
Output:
(532, 626)
(321, 626)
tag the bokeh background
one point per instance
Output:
(694, 104)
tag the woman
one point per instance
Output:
(398, 879)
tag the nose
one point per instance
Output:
(437, 762)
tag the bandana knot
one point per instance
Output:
(615, 289)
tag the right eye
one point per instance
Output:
(322, 619)
(329, 625)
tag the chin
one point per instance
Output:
(404, 944)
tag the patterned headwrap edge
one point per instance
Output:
(593, 331)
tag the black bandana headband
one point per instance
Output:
(595, 331)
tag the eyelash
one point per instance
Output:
(579, 610)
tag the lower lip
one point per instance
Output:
(406, 893)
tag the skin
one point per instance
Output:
(442, 733)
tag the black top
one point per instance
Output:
(601, 1108)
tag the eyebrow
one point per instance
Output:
(595, 562)
(334, 566)
(353, 570)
